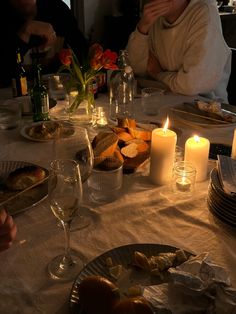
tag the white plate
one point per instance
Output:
(122, 255)
(27, 199)
(67, 126)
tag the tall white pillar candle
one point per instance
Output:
(233, 154)
(197, 153)
(162, 155)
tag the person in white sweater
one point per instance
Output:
(180, 43)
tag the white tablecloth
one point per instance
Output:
(144, 213)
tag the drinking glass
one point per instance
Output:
(78, 148)
(106, 179)
(65, 195)
(57, 86)
(151, 99)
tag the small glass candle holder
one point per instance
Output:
(184, 177)
(99, 118)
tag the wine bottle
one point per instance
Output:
(19, 81)
(39, 96)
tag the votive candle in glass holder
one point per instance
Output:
(184, 177)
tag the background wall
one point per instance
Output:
(107, 21)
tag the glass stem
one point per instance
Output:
(66, 227)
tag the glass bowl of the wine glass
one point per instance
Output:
(65, 196)
(78, 148)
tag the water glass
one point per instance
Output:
(57, 86)
(10, 114)
(184, 177)
(106, 179)
(150, 99)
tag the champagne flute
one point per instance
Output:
(65, 195)
(78, 148)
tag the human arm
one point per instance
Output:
(153, 65)
(139, 44)
(7, 230)
(38, 28)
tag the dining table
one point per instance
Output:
(142, 213)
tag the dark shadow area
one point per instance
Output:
(232, 79)
(118, 28)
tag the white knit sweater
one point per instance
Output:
(192, 51)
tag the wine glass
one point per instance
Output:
(77, 147)
(65, 195)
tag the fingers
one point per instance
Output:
(155, 9)
(8, 231)
(152, 11)
(3, 216)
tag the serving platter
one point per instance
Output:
(26, 200)
(122, 255)
(189, 113)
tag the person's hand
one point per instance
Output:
(38, 28)
(153, 66)
(151, 11)
(7, 230)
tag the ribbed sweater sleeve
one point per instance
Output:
(204, 59)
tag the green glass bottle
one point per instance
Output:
(19, 81)
(39, 97)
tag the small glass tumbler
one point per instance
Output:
(106, 179)
(184, 177)
(150, 98)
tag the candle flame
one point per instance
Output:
(196, 138)
(166, 124)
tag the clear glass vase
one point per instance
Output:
(81, 105)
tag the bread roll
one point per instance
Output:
(137, 305)
(22, 178)
(140, 133)
(105, 146)
(126, 123)
(124, 136)
(98, 295)
(130, 150)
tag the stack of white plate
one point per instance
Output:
(221, 204)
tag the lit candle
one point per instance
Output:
(233, 154)
(197, 152)
(183, 184)
(162, 154)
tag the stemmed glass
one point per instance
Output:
(77, 147)
(65, 195)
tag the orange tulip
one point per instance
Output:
(65, 56)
